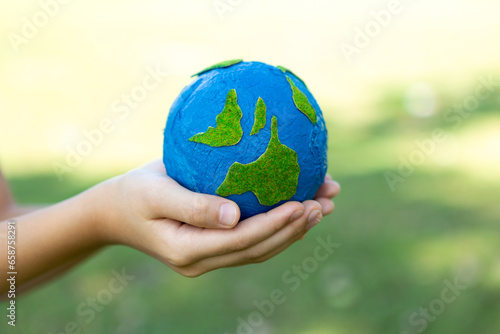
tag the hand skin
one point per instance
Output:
(147, 210)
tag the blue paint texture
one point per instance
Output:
(202, 168)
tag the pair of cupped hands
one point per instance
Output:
(195, 233)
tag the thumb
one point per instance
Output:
(197, 209)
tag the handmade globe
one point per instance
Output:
(247, 131)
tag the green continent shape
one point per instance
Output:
(301, 101)
(273, 177)
(260, 116)
(222, 64)
(284, 70)
(228, 131)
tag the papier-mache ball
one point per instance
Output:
(247, 131)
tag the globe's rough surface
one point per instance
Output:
(250, 132)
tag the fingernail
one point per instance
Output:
(314, 219)
(227, 214)
(297, 214)
(328, 177)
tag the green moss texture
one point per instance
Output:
(301, 102)
(260, 116)
(222, 64)
(285, 70)
(273, 177)
(228, 130)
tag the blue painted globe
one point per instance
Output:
(203, 161)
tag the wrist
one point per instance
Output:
(98, 203)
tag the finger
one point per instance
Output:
(328, 189)
(279, 250)
(275, 243)
(251, 231)
(311, 223)
(326, 204)
(171, 200)
(202, 267)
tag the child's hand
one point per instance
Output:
(146, 209)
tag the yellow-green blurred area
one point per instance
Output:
(414, 140)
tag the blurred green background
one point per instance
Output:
(400, 245)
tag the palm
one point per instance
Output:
(191, 249)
